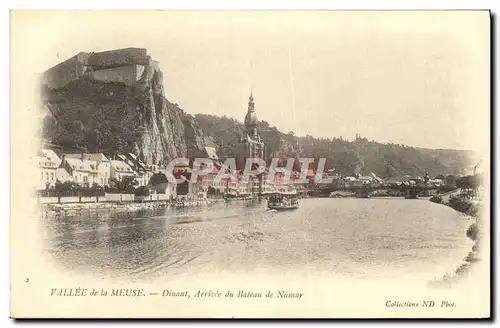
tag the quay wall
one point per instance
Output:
(119, 198)
(107, 198)
(55, 200)
(101, 199)
(72, 209)
(152, 198)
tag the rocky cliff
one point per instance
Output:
(116, 106)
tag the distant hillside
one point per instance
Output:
(386, 160)
(114, 102)
(456, 160)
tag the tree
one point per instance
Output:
(67, 186)
(451, 180)
(142, 191)
(158, 178)
(126, 184)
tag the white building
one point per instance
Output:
(120, 169)
(51, 155)
(46, 163)
(62, 175)
(83, 172)
(436, 182)
(141, 179)
(103, 167)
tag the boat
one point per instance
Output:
(181, 202)
(283, 201)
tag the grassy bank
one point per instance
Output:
(474, 232)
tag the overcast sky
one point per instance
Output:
(402, 77)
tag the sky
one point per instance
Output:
(417, 78)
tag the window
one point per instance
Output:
(47, 176)
(52, 176)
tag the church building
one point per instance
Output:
(251, 146)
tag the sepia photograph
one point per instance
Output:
(250, 164)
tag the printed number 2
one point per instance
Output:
(27, 279)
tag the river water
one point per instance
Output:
(363, 238)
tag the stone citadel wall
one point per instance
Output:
(122, 65)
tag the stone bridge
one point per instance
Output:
(408, 191)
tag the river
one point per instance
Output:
(363, 238)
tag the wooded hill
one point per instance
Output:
(362, 156)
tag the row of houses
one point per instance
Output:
(371, 179)
(239, 186)
(88, 169)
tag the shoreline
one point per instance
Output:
(467, 207)
(472, 210)
(74, 209)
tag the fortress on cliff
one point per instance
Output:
(129, 66)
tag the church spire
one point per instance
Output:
(251, 104)
(251, 117)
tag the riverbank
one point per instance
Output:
(74, 209)
(472, 210)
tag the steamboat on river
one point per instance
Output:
(283, 200)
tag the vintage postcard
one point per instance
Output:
(250, 164)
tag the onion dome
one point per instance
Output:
(251, 117)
